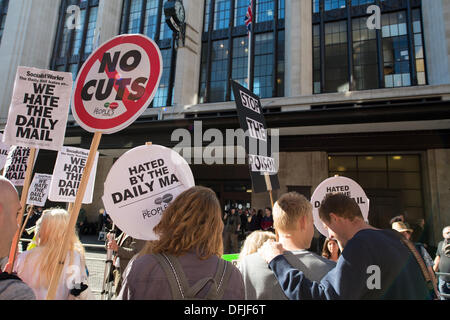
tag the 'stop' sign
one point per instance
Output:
(116, 83)
(257, 143)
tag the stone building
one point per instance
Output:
(370, 104)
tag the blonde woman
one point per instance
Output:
(254, 241)
(35, 267)
(187, 255)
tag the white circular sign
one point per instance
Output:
(338, 185)
(141, 185)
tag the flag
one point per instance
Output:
(249, 17)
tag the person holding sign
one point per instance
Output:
(36, 266)
(190, 239)
(11, 287)
(293, 220)
(374, 264)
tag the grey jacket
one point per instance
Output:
(14, 289)
(261, 283)
(144, 279)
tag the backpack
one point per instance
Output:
(179, 285)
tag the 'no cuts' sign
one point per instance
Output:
(338, 184)
(140, 186)
(116, 83)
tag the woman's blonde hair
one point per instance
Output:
(193, 221)
(255, 241)
(52, 226)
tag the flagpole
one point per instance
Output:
(250, 47)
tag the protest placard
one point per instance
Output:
(117, 83)
(113, 88)
(263, 168)
(140, 186)
(39, 109)
(338, 184)
(67, 174)
(38, 192)
(16, 165)
(4, 150)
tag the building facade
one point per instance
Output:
(348, 96)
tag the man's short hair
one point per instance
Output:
(341, 205)
(288, 209)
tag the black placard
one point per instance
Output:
(257, 140)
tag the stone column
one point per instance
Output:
(188, 57)
(298, 45)
(436, 31)
(439, 190)
(28, 40)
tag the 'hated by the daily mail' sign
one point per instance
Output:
(140, 186)
(39, 109)
(257, 141)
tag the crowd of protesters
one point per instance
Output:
(357, 260)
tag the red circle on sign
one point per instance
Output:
(134, 108)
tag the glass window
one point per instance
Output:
(240, 10)
(221, 14)
(418, 47)
(334, 4)
(149, 22)
(207, 15)
(361, 2)
(235, 50)
(372, 163)
(161, 95)
(316, 6)
(3, 11)
(342, 163)
(135, 16)
(151, 18)
(264, 9)
(263, 65)
(336, 55)
(74, 45)
(240, 61)
(219, 63)
(365, 64)
(395, 50)
(316, 58)
(379, 173)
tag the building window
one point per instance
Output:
(3, 11)
(73, 46)
(397, 175)
(225, 49)
(147, 17)
(336, 61)
(365, 64)
(367, 59)
(395, 50)
(334, 4)
(418, 47)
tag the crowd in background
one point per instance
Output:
(186, 261)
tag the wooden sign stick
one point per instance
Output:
(29, 215)
(23, 201)
(269, 186)
(73, 216)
